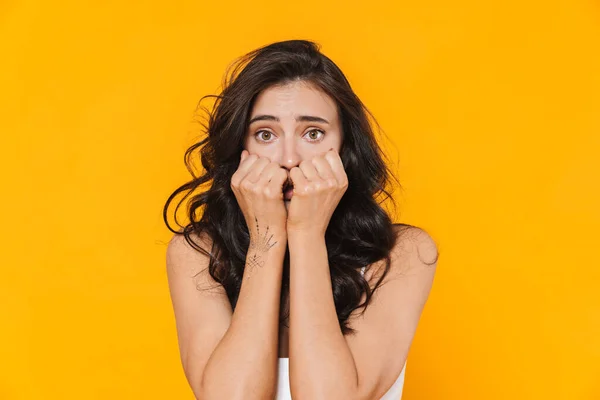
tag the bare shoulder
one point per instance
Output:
(394, 312)
(415, 248)
(180, 251)
(184, 259)
(415, 251)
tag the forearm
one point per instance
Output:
(244, 364)
(321, 363)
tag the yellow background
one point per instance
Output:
(494, 112)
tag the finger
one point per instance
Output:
(275, 185)
(298, 179)
(323, 168)
(256, 169)
(245, 166)
(309, 170)
(268, 173)
(335, 162)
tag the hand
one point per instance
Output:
(319, 184)
(258, 187)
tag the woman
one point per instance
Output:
(293, 282)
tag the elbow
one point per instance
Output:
(216, 393)
(337, 396)
(217, 384)
(336, 393)
(197, 388)
(223, 393)
(231, 390)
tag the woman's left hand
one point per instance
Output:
(319, 184)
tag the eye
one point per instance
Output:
(313, 135)
(263, 136)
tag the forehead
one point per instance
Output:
(295, 98)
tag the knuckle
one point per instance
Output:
(256, 189)
(269, 192)
(246, 185)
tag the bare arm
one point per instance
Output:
(321, 364)
(228, 354)
(326, 365)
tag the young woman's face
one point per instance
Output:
(291, 123)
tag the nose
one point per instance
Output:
(290, 157)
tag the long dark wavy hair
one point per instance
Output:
(360, 231)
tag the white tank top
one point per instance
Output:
(284, 392)
(283, 381)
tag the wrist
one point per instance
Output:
(305, 233)
(268, 237)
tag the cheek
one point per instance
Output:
(255, 148)
(270, 151)
(337, 142)
(248, 145)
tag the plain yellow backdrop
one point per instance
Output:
(493, 111)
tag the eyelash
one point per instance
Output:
(266, 141)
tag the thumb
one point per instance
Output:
(244, 154)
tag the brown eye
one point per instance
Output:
(263, 136)
(313, 135)
(266, 135)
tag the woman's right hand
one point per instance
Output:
(258, 187)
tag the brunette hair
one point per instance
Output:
(360, 231)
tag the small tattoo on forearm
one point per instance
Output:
(258, 246)
(261, 243)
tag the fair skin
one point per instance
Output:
(290, 126)
(219, 345)
(280, 131)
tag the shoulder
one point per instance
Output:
(180, 246)
(181, 254)
(415, 251)
(394, 313)
(413, 266)
(415, 245)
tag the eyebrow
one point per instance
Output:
(299, 118)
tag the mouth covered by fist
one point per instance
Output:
(310, 192)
